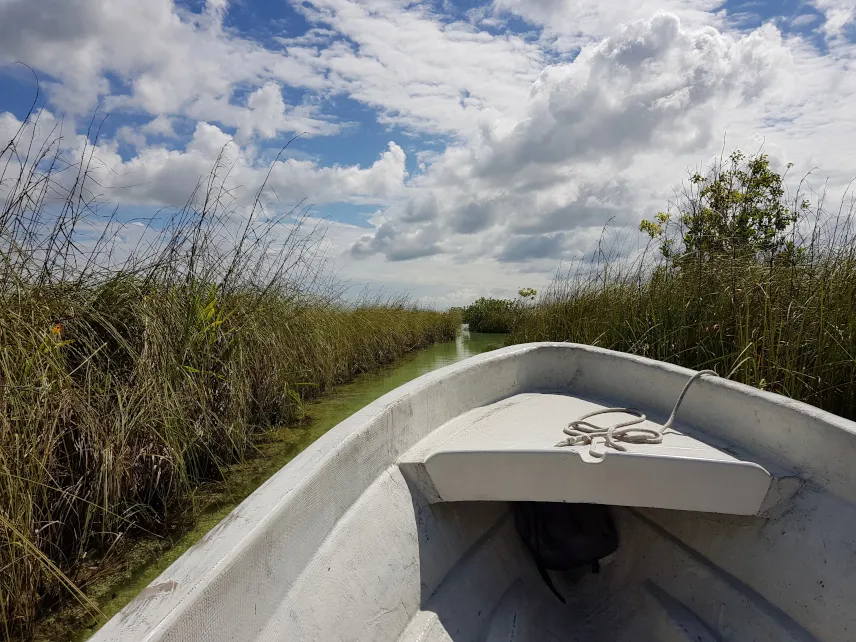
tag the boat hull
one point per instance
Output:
(341, 545)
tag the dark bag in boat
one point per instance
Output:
(562, 537)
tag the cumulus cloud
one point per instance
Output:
(159, 176)
(268, 115)
(173, 61)
(131, 136)
(569, 24)
(380, 182)
(398, 246)
(159, 126)
(653, 81)
(579, 154)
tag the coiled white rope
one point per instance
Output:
(582, 431)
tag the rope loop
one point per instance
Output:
(581, 431)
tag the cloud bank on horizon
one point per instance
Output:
(458, 149)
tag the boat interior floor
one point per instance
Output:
(653, 588)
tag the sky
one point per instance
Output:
(453, 149)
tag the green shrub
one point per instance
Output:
(744, 288)
(736, 209)
(492, 315)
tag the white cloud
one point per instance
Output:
(569, 24)
(380, 182)
(838, 14)
(598, 137)
(174, 62)
(653, 82)
(433, 279)
(268, 115)
(217, 6)
(419, 70)
(158, 176)
(159, 126)
(9, 126)
(804, 20)
(131, 136)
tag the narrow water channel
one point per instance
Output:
(284, 445)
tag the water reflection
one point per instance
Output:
(350, 398)
(467, 344)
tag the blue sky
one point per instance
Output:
(455, 148)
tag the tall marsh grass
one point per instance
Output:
(129, 373)
(784, 321)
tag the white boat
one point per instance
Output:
(445, 510)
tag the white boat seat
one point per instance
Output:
(506, 451)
